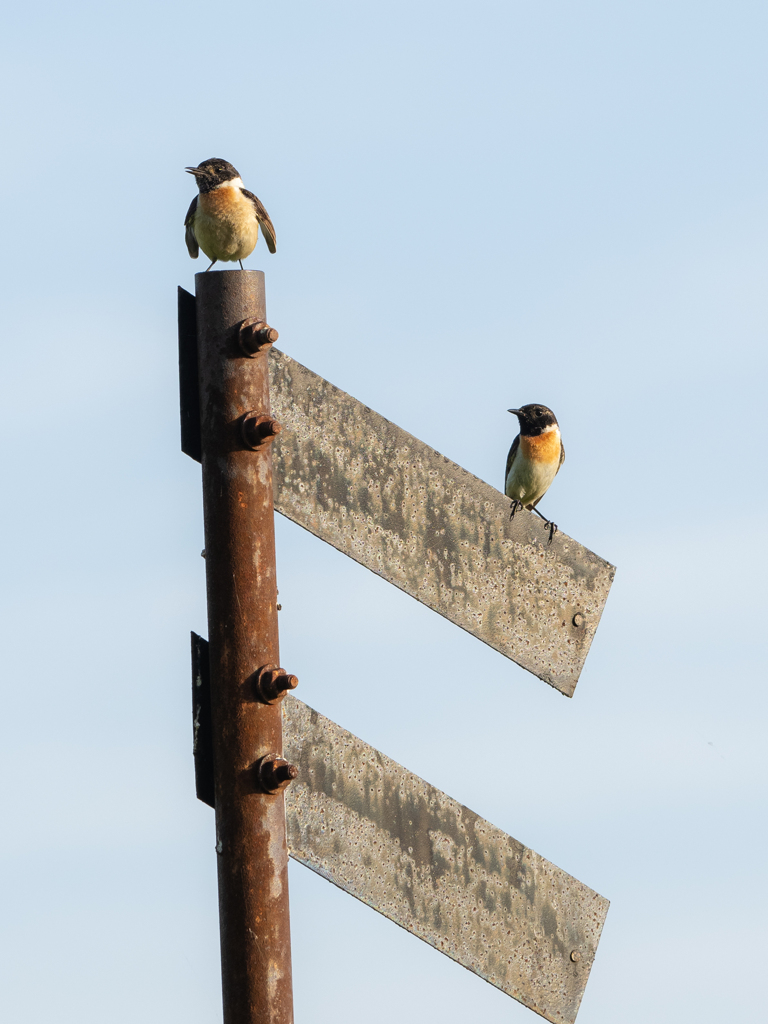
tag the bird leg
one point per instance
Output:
(241, 264)
(208, 268)
(547, 522)
(516, 507)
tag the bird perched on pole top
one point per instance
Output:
(536, 455)
(224, 219)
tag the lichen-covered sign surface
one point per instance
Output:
(437, 869)
(412, 516)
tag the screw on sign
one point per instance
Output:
(271, 434)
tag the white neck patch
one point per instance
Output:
(232, 183)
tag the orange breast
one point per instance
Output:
(225, 224)
(542, 448)
(220, 203)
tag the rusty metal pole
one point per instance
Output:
(251, 847)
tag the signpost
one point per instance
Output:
(246, 741)
(351, 814)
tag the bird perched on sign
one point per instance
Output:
(224, 219)
(536, 455)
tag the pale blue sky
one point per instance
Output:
(477, 205)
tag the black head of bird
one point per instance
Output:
(212, 173)
(534, 419)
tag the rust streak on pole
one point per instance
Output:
(251, 843)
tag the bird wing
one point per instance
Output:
(510, 457)
(189, 236)
(263, 218)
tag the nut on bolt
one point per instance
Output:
(257, 430)
(275, 773)
(254, 335)
(273, 683)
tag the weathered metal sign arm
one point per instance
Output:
(426, 862)
(407, 513)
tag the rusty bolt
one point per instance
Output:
(257, 431)
(575, 956)
(272, 683)
(578, 619)
(255, 335)
(275, 773)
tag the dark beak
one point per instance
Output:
(515, 411)
(196, 171)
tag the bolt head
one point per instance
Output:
(578, 619)
(255, 336)
(258, 430)
(275, 773)
(575, 956)
(272, 683)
